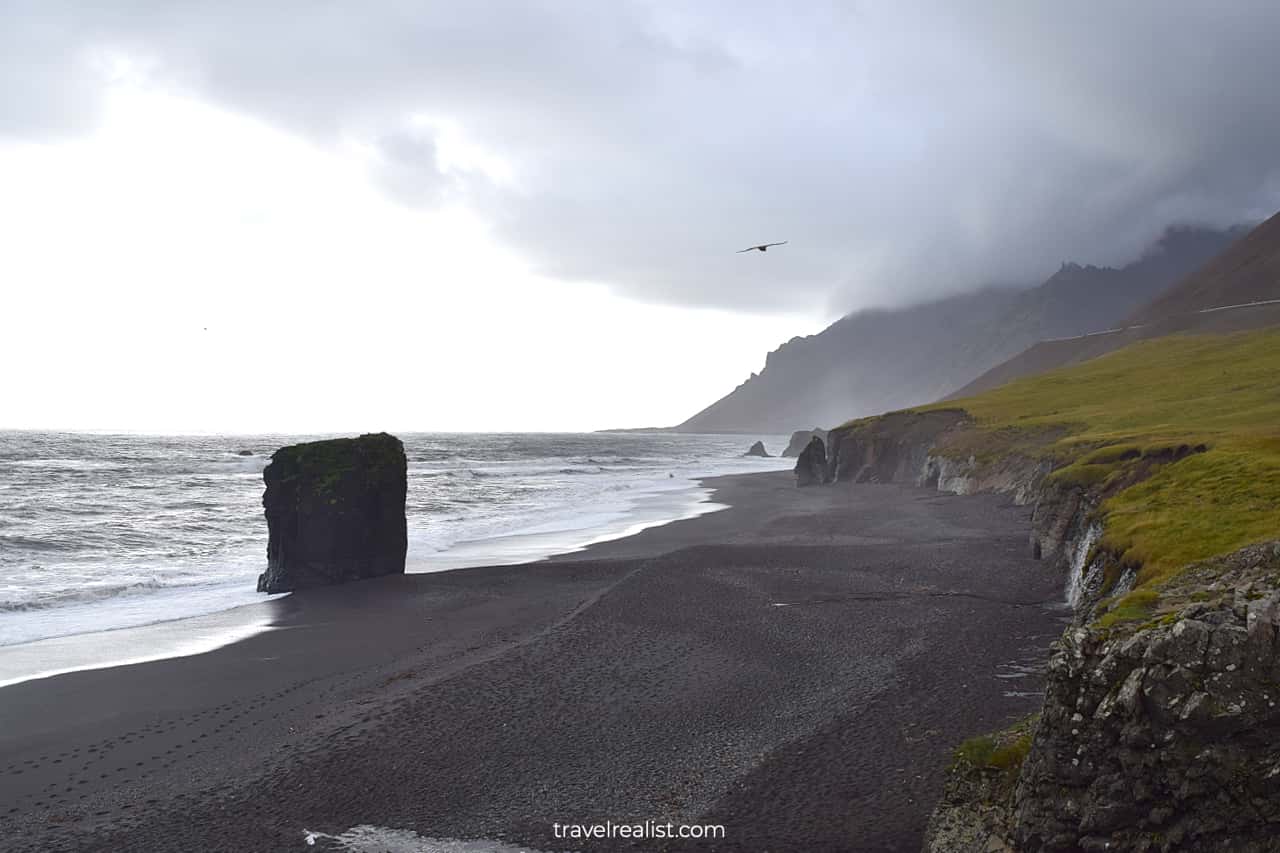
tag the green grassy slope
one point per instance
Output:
(1115, 422)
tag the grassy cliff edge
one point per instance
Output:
(1158, 463)
(1178, 439)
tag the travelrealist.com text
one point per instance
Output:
(642, 829)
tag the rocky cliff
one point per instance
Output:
(335, 512)
(1156, 735)
(811, 465)
(1163, 734)
(890, 448)
(1160, 729)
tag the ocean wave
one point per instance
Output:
(72, 465)
(244, 464)
(83, 595)
(148, 520)
(30, 543)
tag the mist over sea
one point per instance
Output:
(109, 531)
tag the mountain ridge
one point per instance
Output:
(883, 359)
(1236, 290)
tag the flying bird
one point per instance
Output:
(761, 248)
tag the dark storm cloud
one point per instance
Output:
(905, 150)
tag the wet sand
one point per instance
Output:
(797, 668)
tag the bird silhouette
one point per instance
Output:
(764, 247)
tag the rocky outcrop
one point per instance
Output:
(757, 449)
(800, 440)
(1165, 736)
(1019, 476)
(1159, 732)
(335, 512)
(888, 448)
(974, 814)
(811, 467)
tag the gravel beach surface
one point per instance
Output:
(796, 668)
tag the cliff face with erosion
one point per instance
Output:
(1164, 735)
(335, 512)
(1160, 729)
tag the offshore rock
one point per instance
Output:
(335, 512)
(800, 440)
(811, 467)
(757, 449)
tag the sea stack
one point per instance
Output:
(811, 466)
(757, 449)
(335, 512)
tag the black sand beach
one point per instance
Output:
(797, 668)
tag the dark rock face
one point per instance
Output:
(1161, 735)
(811, 467)
(800, 440)
(757, 449)
(890, 448)
(335, 512)
(1171, 732)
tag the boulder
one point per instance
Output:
(244, 453)
(757, 449)
(800, 440)
(811, 467)
(335, 512)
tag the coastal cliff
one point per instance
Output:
(1152, 487)
(335, 512)
(1156, 735)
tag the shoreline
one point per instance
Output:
(168, 637)
(653, 676)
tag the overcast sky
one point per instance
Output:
(311, 215)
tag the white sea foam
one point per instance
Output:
(103, 532)
(127, 646)
(376, 839)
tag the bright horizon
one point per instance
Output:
(219, 340)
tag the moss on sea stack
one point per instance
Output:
(335, 512)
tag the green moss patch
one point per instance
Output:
(1137, 606)
(1004, 751)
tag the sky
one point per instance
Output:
(332, 216)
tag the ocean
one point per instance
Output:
(106, 532)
